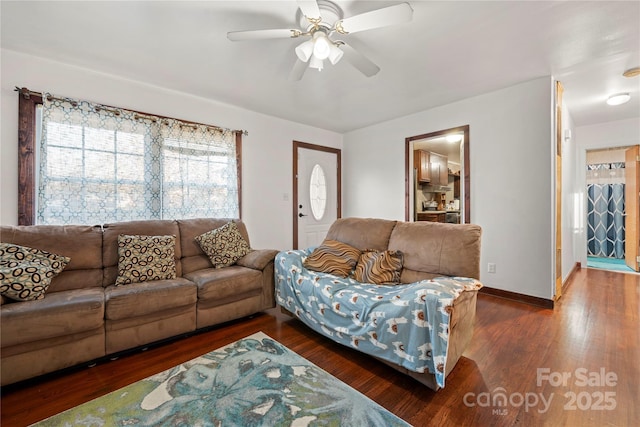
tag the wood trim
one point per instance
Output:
(27, 104)
(632, 219)
(294, 192)
(467, 168)
(577, 266)
(407, 184)
(558, 194)
(239, 170)
(514, 296)
(467, 176)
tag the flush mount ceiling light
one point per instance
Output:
(454, 137)
(618, 98)
(632, 72)
(319, 20)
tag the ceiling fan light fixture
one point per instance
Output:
(316, 63)
(618, 98)
(335, 54)
(305, 50)
(321, 45)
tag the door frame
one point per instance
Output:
(466, 165)
(296, 146)
(632, 214)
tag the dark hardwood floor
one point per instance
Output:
(520, 352)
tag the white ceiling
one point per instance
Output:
(450, 51)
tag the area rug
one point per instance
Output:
(608, 264)
(255, 381)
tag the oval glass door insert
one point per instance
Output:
(318, 192)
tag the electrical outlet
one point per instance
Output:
(491, 267)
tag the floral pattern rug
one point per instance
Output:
(255, 381)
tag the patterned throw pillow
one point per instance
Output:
(333, 257)
(224, 246)
(26, 273)
(145, 258)
(379, 267)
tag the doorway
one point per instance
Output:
(612, 208)
(443, 155)
(317, 195)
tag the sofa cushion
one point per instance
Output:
(379, 267)
(149, 228)
(362, 233)
(224, 245)
(226, 284)
(81, 243)
(59, 314)
(193, 257)
(333, 257)
(139, 299)
(25, 273)
(145, 258)
(438, 248)
(258, 259)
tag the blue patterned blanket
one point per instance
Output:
(404, 324)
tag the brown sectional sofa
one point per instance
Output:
(84, 316)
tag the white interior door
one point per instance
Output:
(317, 195)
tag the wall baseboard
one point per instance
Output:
(577, 266)
(514, 296)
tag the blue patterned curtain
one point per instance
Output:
(99, 165)
(605, 218)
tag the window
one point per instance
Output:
(318, 192)
(100, 164)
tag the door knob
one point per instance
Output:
(301, 215)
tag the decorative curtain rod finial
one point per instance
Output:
(26, 93)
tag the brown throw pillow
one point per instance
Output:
(26, 273)
(379, 267)
(333, 257)
(224, 245)
(145, 258)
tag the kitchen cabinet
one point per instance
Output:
(438, 216)
(439, 169)
(421, 159)
(456, 185)
(431, 168)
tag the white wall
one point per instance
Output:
(570, 193)
(511, 149)
(620, 133)
(266, 154)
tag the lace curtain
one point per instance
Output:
(100, 165)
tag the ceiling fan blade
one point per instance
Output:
(309, 8)
(236, 36)
(298, 70)
(359, 61)
(391, 15)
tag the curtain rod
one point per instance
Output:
(115, 110)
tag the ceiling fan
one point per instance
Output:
(319, 21)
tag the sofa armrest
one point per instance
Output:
(257, 259)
